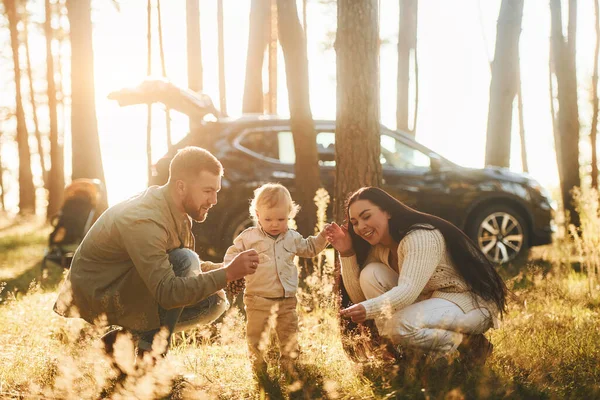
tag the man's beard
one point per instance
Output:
(194, 212)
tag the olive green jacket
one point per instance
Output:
(122, 271)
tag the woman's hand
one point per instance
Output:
(339, 238)
(356, 313)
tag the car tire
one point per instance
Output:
(500, 232)
(236, 226)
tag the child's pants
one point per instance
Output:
(262, 314)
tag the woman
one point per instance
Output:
(423, 281)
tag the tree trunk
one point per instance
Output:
(87, 158)
(594, 129)
(258, 39)
(36, 124)
(357, 134)
(503, 87)
(194, 51)
(221, 50)
(407, 45)
(149, 106)
(164, 71)
(56, 176)
(567, 132)
(304, 22)
(524, 163)
(303, 129)
(26, 187)
(273, 40)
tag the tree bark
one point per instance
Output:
(272, 56)
(357, 133)
(307, 179)
(36, 124)
(164, 72)
(87, 158)
(504, 84)
(26, 187)
(407, 45)
(149, 106)
(524, 163)
(567, 132)
(56, 175)
(594, 128)
(221, 50)
(258, 40)
(194, 51)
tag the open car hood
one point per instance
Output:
(157, 90)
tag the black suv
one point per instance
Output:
(504, 212)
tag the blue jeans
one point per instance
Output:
(186, 263)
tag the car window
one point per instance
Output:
(395, 154)
(279, 146)
(326, 148)
(272, 145)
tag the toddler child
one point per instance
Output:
(272, 289)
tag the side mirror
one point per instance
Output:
(435, 162)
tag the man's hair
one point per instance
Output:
(190, 161)
(272, 195)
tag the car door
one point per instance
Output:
(411, 177)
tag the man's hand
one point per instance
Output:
(245, 263)
(356, 313)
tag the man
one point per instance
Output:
(136, 266)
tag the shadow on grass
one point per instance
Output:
(49, 279)
(443, 381)
(305, 382)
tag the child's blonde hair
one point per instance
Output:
(271, 195)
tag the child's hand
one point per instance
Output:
(339, 238)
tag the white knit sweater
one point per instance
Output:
(425, 271)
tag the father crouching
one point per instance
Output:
(136, 266)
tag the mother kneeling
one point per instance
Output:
(424, 282)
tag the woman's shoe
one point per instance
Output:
(475, 349)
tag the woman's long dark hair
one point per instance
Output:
(470, 262)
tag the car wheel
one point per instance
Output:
(237, 225)
(500, 232)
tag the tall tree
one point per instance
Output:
(594, 128)
(524, 163)
(221, 51)
(567, 121)
(194, 50)
(56, 175)
(149, 106)
(504, 83)
(36, 123)
(163, 67)
(357, 134)
(86, 155)
(407, 47)
(271, 106)
(26, 187)
(301, 121)
(258, 39)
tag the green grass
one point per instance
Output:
(547, 347)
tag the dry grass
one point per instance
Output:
(547, 347)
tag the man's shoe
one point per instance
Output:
(109, 339)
